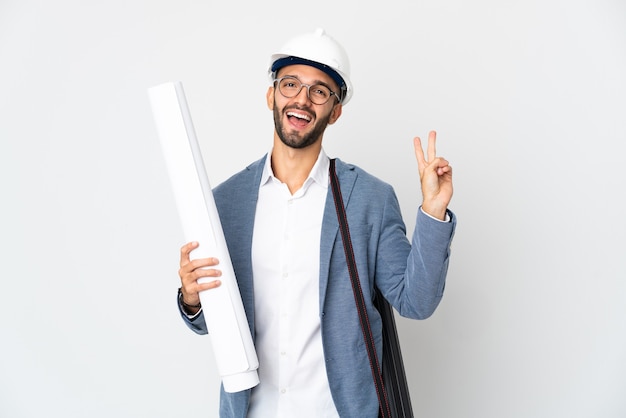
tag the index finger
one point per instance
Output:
(419, 153)
(185, 250)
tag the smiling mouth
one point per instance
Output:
(298, 119)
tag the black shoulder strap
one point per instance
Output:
(385, 410)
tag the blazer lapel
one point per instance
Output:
(330, 225)
(239, 212)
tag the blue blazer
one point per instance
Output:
(411, 275)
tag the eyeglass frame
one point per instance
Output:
(308, 89)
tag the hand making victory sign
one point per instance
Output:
(435, 176)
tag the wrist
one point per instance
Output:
(188, 308)
(434, 212)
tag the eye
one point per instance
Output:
(320, 91)
(289, 84)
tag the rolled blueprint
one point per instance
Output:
(224, 314)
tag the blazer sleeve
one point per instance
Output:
(413, 283)
(195, 323)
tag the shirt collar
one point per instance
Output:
(318, 174)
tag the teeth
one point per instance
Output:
(299, 116)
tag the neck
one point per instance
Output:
(293, 166)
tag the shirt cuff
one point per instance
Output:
(191, 317)
(447, 219)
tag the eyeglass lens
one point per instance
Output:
(291, 86)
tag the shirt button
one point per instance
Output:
(283, 391)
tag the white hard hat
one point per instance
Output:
(319, 50)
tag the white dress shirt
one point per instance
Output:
(285, 263)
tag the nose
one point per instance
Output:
(303, 94)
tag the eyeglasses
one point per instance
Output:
(318, 94)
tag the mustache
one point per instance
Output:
(299, 107)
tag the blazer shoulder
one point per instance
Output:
(364, 179)
(243, 178)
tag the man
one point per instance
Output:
(280, 224)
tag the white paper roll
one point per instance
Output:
(224, 314)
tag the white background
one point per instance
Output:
(529, 102)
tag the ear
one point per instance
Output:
(335, 113)
(269, 96)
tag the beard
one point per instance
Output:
(296, 139)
